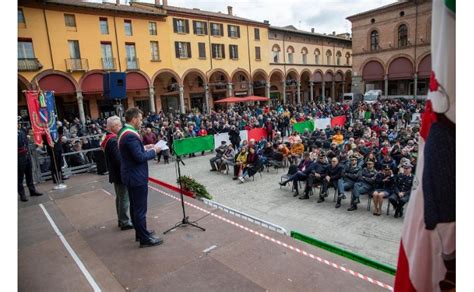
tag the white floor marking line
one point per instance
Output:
(107, 192)
(71, 251)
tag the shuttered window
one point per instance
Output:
(257, 53)
(182, 49)
(200, 27)
(233, 52)
(202, 50)
(180, 25)
(218, 51)
(233, 31)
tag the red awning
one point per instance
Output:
(234, 99)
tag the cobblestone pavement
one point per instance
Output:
(376, 237)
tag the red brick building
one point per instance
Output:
(391, 49)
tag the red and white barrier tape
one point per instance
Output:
(307, 254)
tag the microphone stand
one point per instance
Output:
(185, 220)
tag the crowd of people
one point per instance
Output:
(354, 157)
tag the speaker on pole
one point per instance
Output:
(115, 85)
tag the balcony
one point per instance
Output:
(29, 64)
(73, 65)
(132, 63)
(108, 64)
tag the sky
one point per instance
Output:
(325, 16)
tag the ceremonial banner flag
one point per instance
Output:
(304, 125)
(51, 109)
(338, 121)
(257, 134)
(193, 145)
(40, 116)
(427, 256)
(322, 124)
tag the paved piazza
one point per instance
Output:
(375, 237)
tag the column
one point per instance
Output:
(415, 84)
(343, 88)
(298, 92)
(181, 99)
(311, 95)
(152, 100)
(386, 86)
(206, 88)
(333, 91)
(267, 87)
(284, 92)
(80, 104)
(250, 91)
(323, 91)
(229, 90)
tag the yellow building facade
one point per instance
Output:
(175, 59)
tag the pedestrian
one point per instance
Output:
(134, 174)
(112, 158)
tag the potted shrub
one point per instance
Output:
(190, 184)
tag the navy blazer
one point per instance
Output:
(134, 167)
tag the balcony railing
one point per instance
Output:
(77, 65)
(108, 64)
(30, 64)
(132, 63)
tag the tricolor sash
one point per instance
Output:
(127, 130)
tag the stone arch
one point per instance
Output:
(197, 71)
(218, 70)
(24, 81)
(262, 72)
(328, 76)
(304, 51)
(373, 70)
(173, 73)
(393, 58)
(91, 82)
(276, 48)
(240, 70)
(318, 75)
(361, 69)
(49, 72)
(339, 77)
(420, 58)
(142, 74)
(400, 68)
(290, 49)
(279, 71)
(289, 72)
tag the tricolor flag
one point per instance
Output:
(427, 257)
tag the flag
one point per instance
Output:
(193, 145)
(322, 124)
(427, 255)
(39, 116)
(338, 121)
(51, 109)
(257, 134)
(304, 125)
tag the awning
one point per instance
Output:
(234, 99)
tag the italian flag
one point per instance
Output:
(427, 256)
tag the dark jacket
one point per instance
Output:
(304, 164)
(368, 176)
(334, 173)
(351, 173)
(234, 137)
(112, 158)
(317, 167)
(388, 186)
(403, 183)
(134, 158)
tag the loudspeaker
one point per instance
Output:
(115, 85)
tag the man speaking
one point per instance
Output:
(134, 170)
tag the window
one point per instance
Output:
(132, 62)
(108, 62)
(180, 25)
(104, 26)
(74, 51)
(155, 53)
(200, 27)
(128, 27)
(328, 57)
(402, 36)
(152, 28)
(338, 58)
(218, 51)
(25, 49)
(348, 58)
(257, 34)
(316, 56)
(233, 31)
(305, 60)
(183, 50)
(234, 52)
(21, 17)
(290, 51)
(70, 20)
(374, 40)
(276, 54)
(257, 53)
(202, 50)
(217, 29)
(304, 54)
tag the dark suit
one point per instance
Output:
(134, 173)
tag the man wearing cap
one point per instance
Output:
(349, 178)
(403, 185)
(24, 166)
(365, 184)
(217, 160)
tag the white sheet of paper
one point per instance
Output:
(163, 145)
